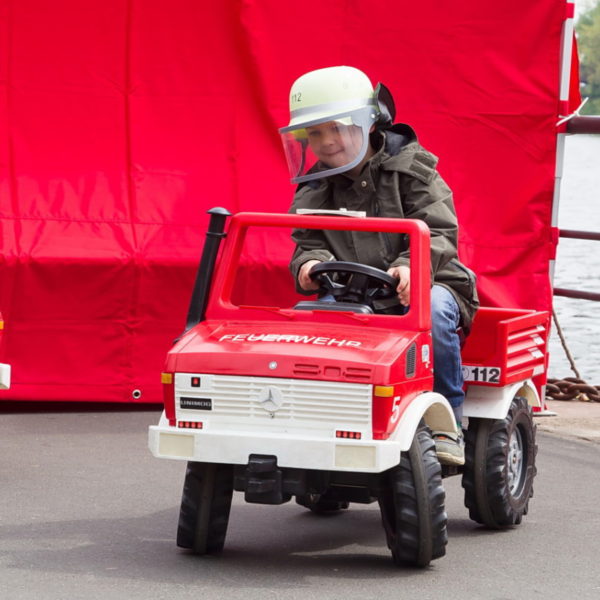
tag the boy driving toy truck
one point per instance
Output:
(357, 396)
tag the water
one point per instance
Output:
(578, 261)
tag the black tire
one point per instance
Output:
(412, 505)
(320, 503)
(205, 506)
(500, 467)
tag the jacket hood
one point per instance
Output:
(396, 137)
(401, 152)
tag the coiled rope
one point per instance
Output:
(570, 388)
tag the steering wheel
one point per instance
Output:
(356, 283)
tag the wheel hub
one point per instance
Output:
(515, 461)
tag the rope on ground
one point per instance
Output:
(570, 388)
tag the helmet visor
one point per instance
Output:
(327, 146)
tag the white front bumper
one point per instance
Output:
(4, 376)
(291, 450)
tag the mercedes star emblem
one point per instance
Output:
(271, 398)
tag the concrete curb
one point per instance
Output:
(574, 420)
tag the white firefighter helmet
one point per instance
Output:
(332, 111)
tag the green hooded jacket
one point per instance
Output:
(401, 181)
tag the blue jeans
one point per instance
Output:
(447, 366)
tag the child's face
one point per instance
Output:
(335, 144)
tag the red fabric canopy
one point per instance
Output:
(123, 123)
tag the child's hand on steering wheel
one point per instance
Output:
(304, 280)
(402, 273)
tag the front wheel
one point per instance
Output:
(412, 505)
(205, 506)
(500, 467)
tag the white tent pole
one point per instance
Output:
(564, 84)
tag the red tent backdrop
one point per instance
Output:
(123, 123)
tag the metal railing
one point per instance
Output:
(579, 124)
(587, 124)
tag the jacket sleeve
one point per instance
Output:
(426, 196)
(310, 243)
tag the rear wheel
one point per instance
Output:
(412, 506)
(205, 506)
(500, 467)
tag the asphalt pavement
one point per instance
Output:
(87, 512)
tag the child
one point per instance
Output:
(345, 153)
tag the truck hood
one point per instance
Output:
(292, 350)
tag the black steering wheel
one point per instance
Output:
(356, 283)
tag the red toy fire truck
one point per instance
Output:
(331, 404)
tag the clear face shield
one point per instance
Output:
(328, 145)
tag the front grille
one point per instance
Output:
(236, 399)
